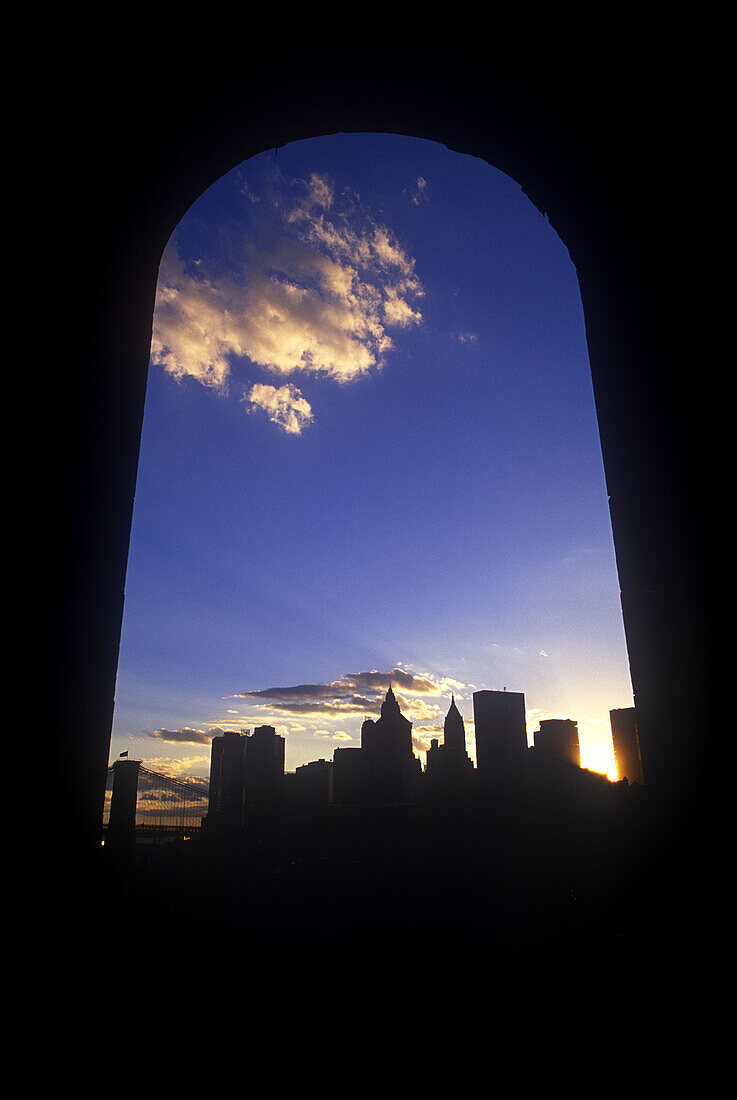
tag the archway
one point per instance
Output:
(649, 466)
(569, 128)
(424, 369)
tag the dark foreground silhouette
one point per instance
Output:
(537, 890)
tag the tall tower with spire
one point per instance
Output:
(448, 765)
(392, 769)
(454, 731)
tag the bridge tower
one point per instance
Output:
(121, 830)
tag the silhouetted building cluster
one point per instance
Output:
(248, 780)
(246, 777)
(250, 788)
(526, 845)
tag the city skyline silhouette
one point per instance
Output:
(557, 737)
(389, 867)
(449, 768)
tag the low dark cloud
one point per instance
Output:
(298, 692)
(355, 691)
(186, 736)
(379, 681)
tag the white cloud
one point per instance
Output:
(301, 293)
(284, 406)
(191, 335)
(397, 310)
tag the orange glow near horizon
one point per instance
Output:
(595, 741)
(598, 756)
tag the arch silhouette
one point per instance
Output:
(590, 134)
(560, 133)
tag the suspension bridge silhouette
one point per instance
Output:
(158, 805)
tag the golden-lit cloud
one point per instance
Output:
(333, 735)
(310, 289)
(182, 769)
(353, 693)
(419, 710)
(422, 739)
(284, 405)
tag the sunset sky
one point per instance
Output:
(369, 447)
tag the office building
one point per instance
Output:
(384, 769)
(246, 774)
(449, 766)
(264, 770)
(311, 785)
(501, 732)
(626, 743)
(348, 776)
(558, 737)
(227, 769)
(393, 770)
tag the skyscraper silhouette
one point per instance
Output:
(559, 737)
(454, 732)
(227, 769)
(626, 743)
(501, 733)
(448, 765)
(385, 768)
(391, 768)
(246, 774)
(264, 774)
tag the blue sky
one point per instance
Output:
(369, 444)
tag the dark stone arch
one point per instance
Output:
(578, 137)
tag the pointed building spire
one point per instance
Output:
(454, 734)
